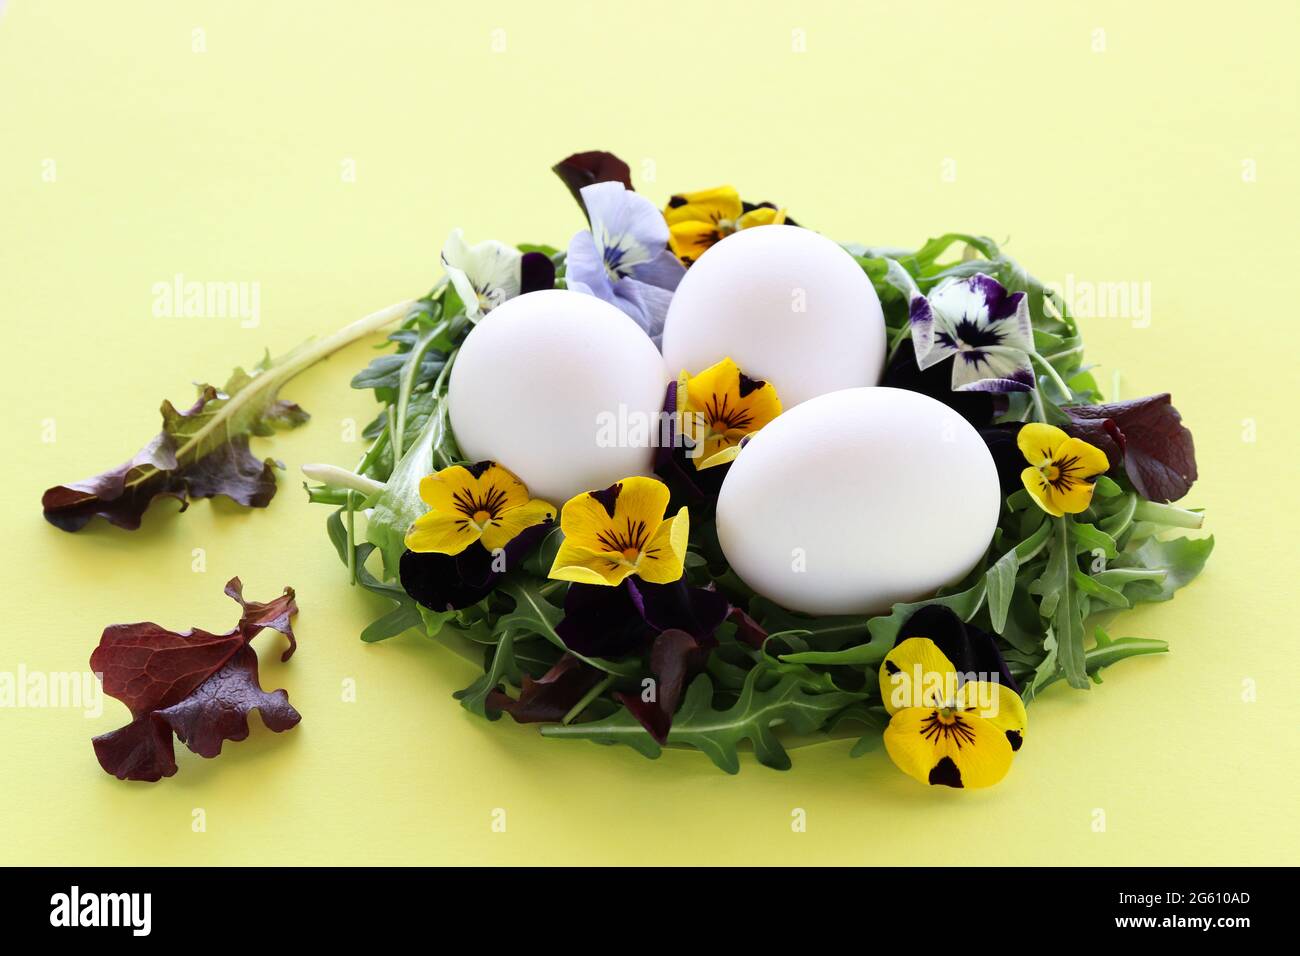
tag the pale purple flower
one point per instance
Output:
(975, 322)
(624, 257)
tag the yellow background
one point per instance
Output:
(1124, 163)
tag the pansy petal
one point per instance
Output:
(677, 606)
(500, 488)
(915, 673)
(690, 240)
(641, 499)
(627, 227)
(1038, 442)
(972, 652)
(761, 216)
(721, 204)
(588, 566)
(992, 368)
(441, 532)
(1015, 329)
(602, 621)
(957, 750)
(664, 271)
(439, 490)
(1072, 496)
(1081, 458)
(536, 271)
(921, 317)
(662, 560)
(1040, 490)
(712, 459)
(501, 531)
(958, 300)
(584, 270)
(444, 582)
(585, 518)
(999, 705)
(645, 304)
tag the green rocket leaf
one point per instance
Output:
(718, 733)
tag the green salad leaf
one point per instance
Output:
(717, 734)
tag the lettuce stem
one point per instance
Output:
(1167, 515)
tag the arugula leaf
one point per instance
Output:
(1061, 602)
(718, 733)
(534, 614)
(477, 697)
(1000, 580)
(203, 451)
(1105, 651)
(1180, 560)
(884, 629)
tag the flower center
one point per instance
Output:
(630, 555)
(481, 518)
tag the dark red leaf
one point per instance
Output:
(675, 657)
(121, 495)
(549, 698)
(218, 710)
(142, 750)
(597, 166)
(748, 630)
(1147, 436)
(197, 684)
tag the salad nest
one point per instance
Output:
(663, 645)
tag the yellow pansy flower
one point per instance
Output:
(720, 407)
(482, 502)
(945, 728)
(1062, 469)
(612, 534)
(697, 220)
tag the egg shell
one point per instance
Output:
(535, 379)
(879, 494)
(788, 305)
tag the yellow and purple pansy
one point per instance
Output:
(621, 531)
(443, 569)
(1062, 470)
(956, 719)
(698, 220)
(483, 503)
(719, 408)
(973, 320)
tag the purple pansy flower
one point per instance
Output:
(614, 622)
(674, 625)
(450, 582)
(624, 257)
(979, 325)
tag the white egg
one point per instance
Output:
(788, 305)
(858, 499)
(541, 384)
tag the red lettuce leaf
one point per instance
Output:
(198, 685)
(201, 452)
(596, 166)
(675, 657)
(549, 698)
(1147, 436)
